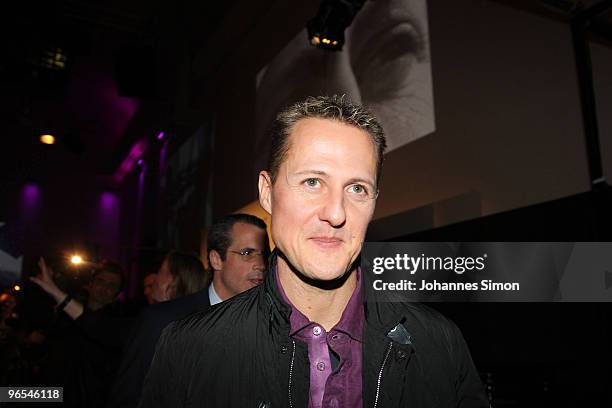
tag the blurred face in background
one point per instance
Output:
(103, 289)
(148, 285)
(7, 305)
(165, 284)
(245, 261)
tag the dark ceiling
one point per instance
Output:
(82, 70)
(120, 72)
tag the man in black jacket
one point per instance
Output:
(306, 338)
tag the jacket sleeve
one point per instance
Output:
(470, 389)
(166, 382)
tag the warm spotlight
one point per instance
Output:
(326, 29)
(47, 139)
(16, 288)
(76, 260)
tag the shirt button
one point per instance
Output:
(316, 330)
(320, 366)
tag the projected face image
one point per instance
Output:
(384, 65)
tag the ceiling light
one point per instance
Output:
(326, 29)
(47, 139)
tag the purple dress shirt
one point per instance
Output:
(341, 387)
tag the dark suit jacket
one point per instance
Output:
(140, 348)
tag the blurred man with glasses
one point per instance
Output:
(237, 248)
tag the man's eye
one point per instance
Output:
(311, 182)
(358, 189)
(246, 252)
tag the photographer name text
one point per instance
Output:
(424, 285)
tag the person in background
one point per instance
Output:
(237, 250)
(179, 275)
(103, 289)
(84, 343)
(148, 284)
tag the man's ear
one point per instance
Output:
(215, 260)
(265, 191)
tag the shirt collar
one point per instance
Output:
(352, 319)
(213, 296)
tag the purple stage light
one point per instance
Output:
(126, 165)
(30, 193)
(30, 201)
(107, 202)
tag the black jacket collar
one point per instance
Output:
(381, 316)
(277, 308)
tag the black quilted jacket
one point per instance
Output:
(239, 354)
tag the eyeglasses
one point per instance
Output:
(249, 254)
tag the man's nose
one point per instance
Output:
(259, 263)
(333, 208)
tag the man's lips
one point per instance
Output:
(327, 242)
(256, 281)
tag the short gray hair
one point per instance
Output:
(338, 108)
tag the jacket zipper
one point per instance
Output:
(291, 373)
(382, 367)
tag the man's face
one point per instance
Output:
(148, 284)
(238, 273)
(323, 197)
(163, 289)
(104, 289)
